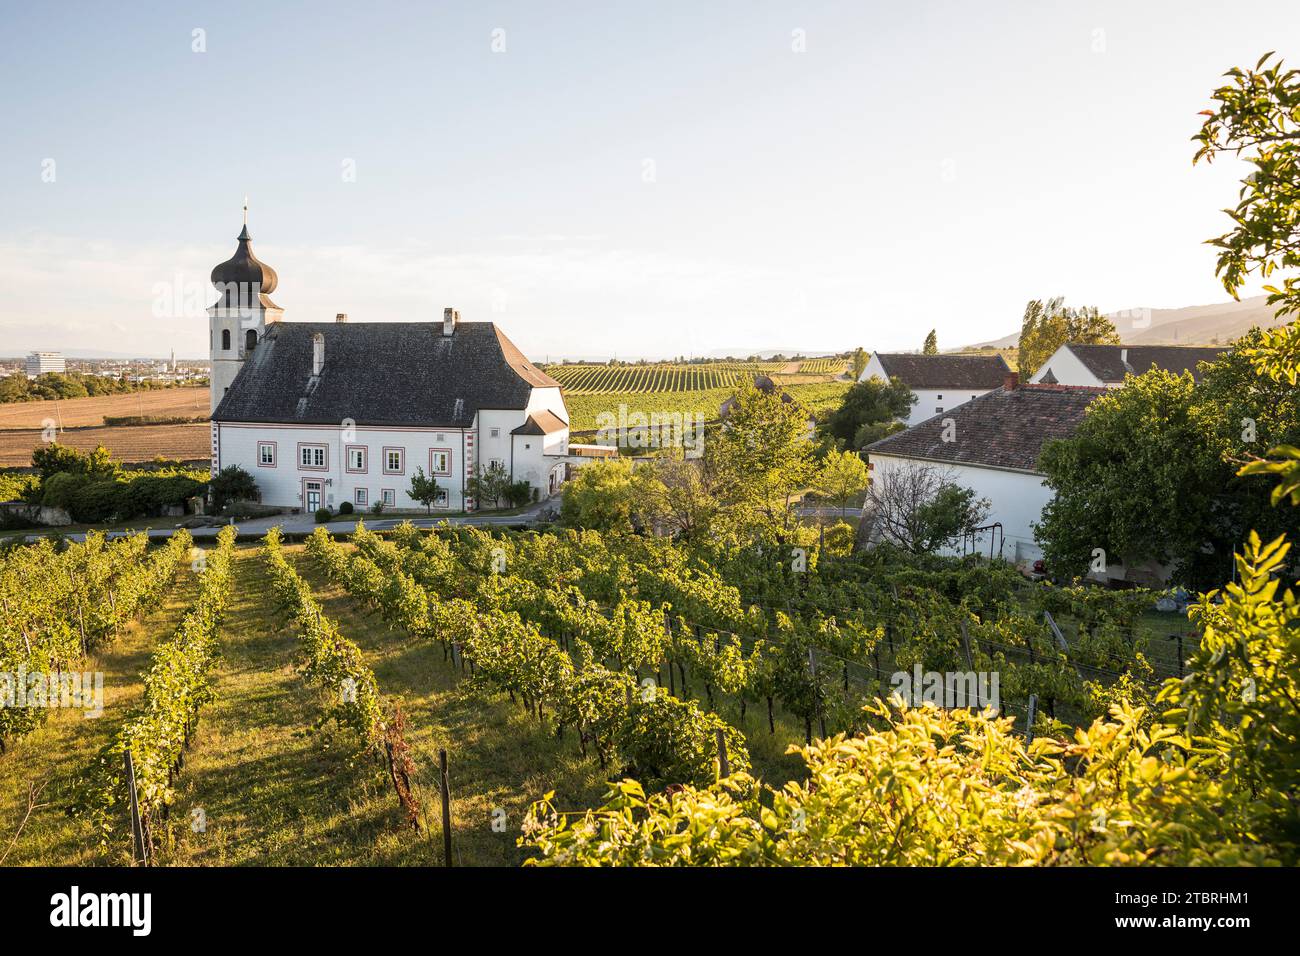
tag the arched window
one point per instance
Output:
(250, 340)
(225, 340)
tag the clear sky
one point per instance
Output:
(614, 177)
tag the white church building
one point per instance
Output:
(320, 413)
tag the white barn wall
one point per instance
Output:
(1068, 370)
(928, 401)
(1015, 498)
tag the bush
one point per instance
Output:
(54, 458)
(345, 508)
(232, 484)
(97, 499)
(323, 515)
(378, 507)
(518, 494)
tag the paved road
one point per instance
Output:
(305, 524)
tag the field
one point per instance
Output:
(284, 765)
(127, 443)
(667, 377)
(591, 391)
(80, 412)
(80, 423)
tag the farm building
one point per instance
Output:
(940, 382)
(326, 412)
(991, 444)
(1105, 366)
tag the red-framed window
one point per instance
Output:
(357, 460)
(361, 497)
(394, 460)
(313, 457)
(266, 454)
(389, 497)
(440, 461)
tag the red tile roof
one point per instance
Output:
(1001, 429)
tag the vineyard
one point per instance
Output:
(634, 379)
(295, 700)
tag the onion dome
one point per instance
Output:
(243, 280)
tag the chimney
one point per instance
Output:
(341, 318)
(1011, 382)
(450, 317)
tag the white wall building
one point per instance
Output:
(39, 363)
(939, 382)
(992, 444)
(1105, 366)
(326, 412)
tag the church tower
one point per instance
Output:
(237, 320)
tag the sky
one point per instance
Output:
(614, 178)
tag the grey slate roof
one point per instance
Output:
(945, 371)
(1001, 429)
(402, 374)
(1104, 361)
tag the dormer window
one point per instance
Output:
(317, 353)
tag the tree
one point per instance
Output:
(424, 489)
(54, 458)
(1046, 326)
(1151, 472)
(931, 346)
(675, 496)
(600, 496)
(920, 509)
(859, 362)
(231, 483)
(490, 484)
(760, 456)
(1256, 117)
(874, 405)
(843, 475)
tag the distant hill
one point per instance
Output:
(1193, 325)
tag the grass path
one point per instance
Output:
(60, 750)
(272, 792)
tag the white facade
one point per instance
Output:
(1066, 369)
(1016, 500)
(929, 401)
(321, 466)
(40, 363)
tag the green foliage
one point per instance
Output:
(425, 488)
(931, 346)
(843, 476)
(232, 483)
(176, 686)
(323, 515)
(600, 496)
(1256, 117)
(346, 508)
(54, 458)
(1046, 326)
(928, 788)
(869, 410)
(1168, 438)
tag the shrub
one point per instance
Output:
(232, 484)
(345, 508)
(323, 515)
(54, 458)
(378, 507)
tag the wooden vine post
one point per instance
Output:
(139, 846)
(445, 787)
